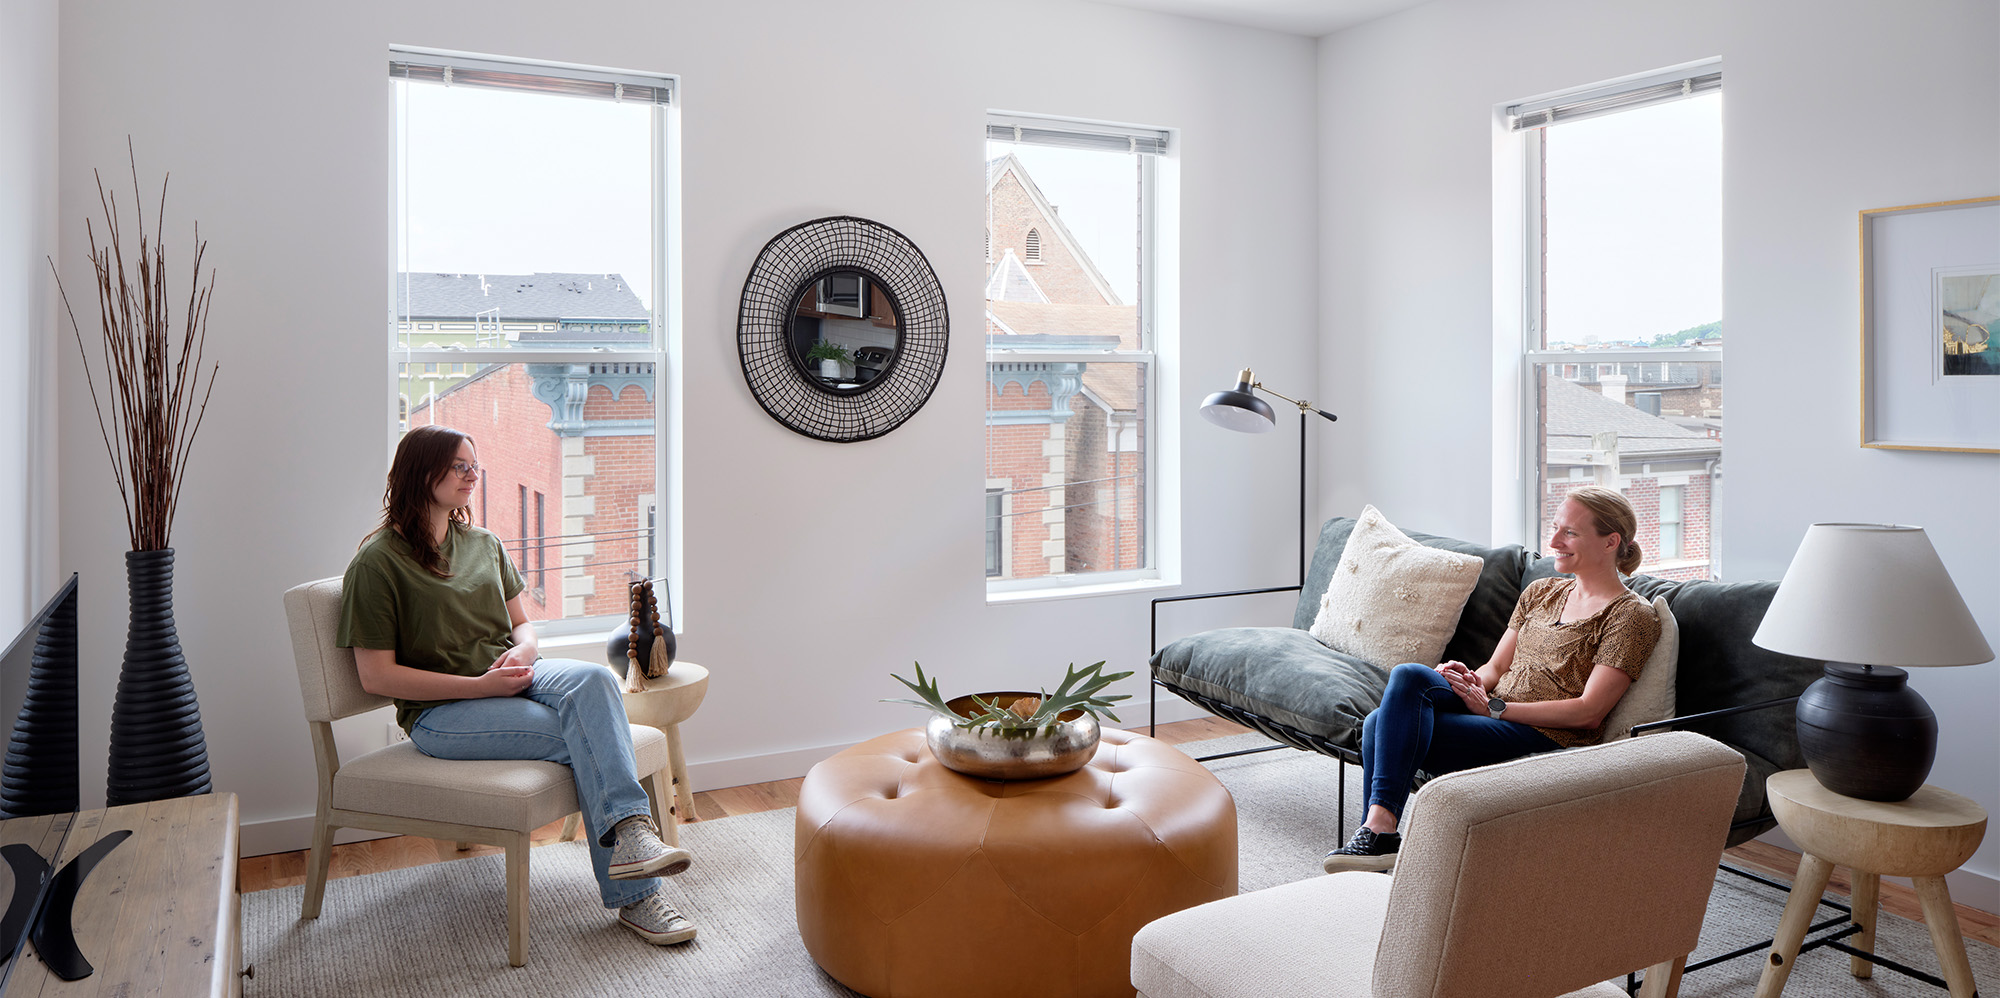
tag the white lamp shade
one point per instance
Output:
(1871, 594)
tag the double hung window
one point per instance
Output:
(530, 226)
(1622, 359)
(1073, 288)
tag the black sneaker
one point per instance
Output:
(1366, 851)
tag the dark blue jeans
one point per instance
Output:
(1422, 724)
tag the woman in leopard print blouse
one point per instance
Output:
(1571, 649)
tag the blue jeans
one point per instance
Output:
(1422, 724)
(572, 713)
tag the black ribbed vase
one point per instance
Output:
(157, 750)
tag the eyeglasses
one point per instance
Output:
(463, 470)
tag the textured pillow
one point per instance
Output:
(1651, 697)
(1391, 599)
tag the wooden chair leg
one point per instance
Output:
(1663, 979)
(570, 825)
(316, 865)
(517, 900)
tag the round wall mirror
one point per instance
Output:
(845, 330)
(842, 329)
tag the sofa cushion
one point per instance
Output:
(1651, 697)
(1480, 624)
(1393, 600)
(1280, 673)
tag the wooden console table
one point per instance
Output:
(160, 915)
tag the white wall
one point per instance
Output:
(1830, 108)
(27, 300)
(273, 120)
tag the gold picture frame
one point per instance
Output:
(1930, 274)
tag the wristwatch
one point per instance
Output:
(1494, 706)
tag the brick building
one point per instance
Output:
(567, 450)
(1065, 442)
(1668, 472)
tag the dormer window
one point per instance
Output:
(1034, 250)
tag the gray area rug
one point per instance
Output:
(439, 930)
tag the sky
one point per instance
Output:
(1635, 222)
(497, 182)
(1097, 197)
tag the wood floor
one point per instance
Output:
(398, 852)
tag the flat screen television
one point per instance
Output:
(38, 779)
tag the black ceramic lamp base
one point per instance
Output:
(1865, 733)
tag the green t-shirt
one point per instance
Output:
(456, 626)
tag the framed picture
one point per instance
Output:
(1930, 302)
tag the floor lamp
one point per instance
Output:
(1241, 410)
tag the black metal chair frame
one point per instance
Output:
(1285, 736)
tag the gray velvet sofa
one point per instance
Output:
(1283, 682)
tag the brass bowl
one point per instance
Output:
(1012, 753)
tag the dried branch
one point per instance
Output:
(154, 400)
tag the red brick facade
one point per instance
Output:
(1643, 493)
(1053, 436)
(524, 461)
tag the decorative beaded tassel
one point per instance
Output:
(635, 675)
(661, 658)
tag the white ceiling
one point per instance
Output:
(1298, 17)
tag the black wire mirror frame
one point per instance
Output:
(790, 393)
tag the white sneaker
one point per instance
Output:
(638, 853)
(656, 921)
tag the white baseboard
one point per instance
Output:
(261, 838)
(273, 835)
(1968, 887)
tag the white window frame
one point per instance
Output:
(1532, 356)
(1158, 301)
(663, 347)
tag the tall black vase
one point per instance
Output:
(157, 750)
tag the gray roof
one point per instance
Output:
(518, 297)
(1575, 412)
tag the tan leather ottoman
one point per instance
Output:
(915, 881)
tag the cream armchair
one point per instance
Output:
(399, 789)
(1529, 879)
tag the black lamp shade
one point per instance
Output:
(1239, 410)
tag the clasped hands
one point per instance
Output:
(1467, 685)
(510, 673)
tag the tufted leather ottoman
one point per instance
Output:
(915, 881)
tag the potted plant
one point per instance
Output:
(1017, 735)
(830, 356)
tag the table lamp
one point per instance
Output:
(1241, 410)
(1869, 598)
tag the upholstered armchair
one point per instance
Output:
(399, 789)
(1535, 878)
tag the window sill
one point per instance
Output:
(1080, 591)
(584, 646)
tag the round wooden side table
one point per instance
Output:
(667, 702)
(1922, 838)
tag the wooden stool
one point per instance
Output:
(1922, 838)
(664, 705)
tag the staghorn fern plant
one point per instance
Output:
(1079, 690)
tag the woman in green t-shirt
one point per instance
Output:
(431, 606)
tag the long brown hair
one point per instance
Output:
(422, 460)
(1612, 515)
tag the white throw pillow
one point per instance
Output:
(1651, 697)
(1393, 600)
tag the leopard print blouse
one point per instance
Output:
(1553, 659)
